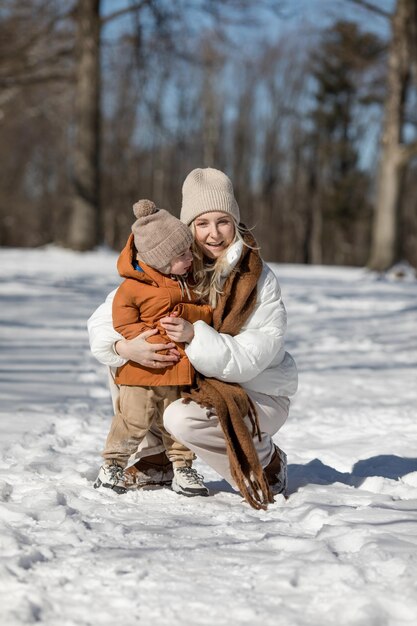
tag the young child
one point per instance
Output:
(154, 263)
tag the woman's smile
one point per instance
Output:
(216, 244)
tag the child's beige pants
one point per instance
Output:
(136, 409)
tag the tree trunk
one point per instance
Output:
(85, 222)
(394, 154)
(313, 233)
(210, 105)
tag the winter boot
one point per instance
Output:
(276, 472)
(111, 476)
(149, 471)
(188, 482)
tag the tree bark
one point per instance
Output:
(85, 222)
(394, 153)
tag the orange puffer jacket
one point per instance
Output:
(140, 302)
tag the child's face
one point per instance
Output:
(181, 264)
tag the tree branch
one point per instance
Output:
(120, 12)
(35, 80)
(12, 72)
(41, 33)
(371, 7)
(407, 152)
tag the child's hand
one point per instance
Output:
(177, 328)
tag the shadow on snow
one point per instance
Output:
(317, 473)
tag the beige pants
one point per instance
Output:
(136, 409)
(199, 429)
(152, 443)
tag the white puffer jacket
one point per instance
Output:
(255, 358)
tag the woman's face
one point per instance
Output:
(214, 232)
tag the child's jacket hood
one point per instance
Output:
(127, 261)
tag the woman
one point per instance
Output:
(246, 377)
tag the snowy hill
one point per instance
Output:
(342, 549)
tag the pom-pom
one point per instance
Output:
(141, 208)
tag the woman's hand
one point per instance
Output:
(177, 328)
(141, 351)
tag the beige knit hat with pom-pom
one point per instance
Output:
(159, 236)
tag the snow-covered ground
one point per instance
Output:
(341, 550)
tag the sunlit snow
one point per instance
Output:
(342, 550)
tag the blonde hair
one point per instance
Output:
(209, 277)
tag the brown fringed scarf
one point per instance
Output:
(230, 402)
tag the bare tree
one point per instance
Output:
(36, 73)
(210, 101)
(177, 96)
(395, 153)
(85, 224)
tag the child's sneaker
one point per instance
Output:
(276, 472)
(111, 476)
(188, 482)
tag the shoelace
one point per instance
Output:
(191, 475)
(116, 472)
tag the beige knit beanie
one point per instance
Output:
(207, 190)
(159, 236)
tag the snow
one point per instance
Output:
(342, 549)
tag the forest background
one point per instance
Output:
(309, 105)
